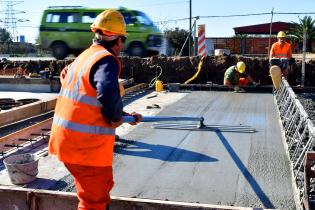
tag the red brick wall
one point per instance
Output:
(253, 45)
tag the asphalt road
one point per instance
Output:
(229, 168)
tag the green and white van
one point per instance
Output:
(66, 30)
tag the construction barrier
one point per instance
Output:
(299, 131)
(201, 40)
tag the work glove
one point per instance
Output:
(137, 116)
(256, 84)
(237, 89)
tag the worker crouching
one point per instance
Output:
(88, 109)
(235, 77)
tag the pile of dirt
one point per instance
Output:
(176, 69)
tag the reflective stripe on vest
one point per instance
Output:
(76, 96)
(83, 128)
(281, 55)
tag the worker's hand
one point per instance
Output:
(256, 84)
(236, 88)
(116, 124)
(137, 116)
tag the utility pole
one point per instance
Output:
(190, 29)
(270, 31)
(10, 20)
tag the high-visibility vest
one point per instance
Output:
(79, 133)
(281, 52)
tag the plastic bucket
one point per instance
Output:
(22, 168)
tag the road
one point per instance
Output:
(228, 168)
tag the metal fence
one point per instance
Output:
(299, 131)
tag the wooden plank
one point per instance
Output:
(26, 111)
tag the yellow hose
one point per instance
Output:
(198, 70)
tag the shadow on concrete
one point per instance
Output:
(250, 179)
(41, 183)
(161, 152)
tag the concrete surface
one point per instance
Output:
(235, 169)
(231, 169)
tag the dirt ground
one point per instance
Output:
(174, 69)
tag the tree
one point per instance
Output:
(177, 39)
(306, 23)
(5, 36)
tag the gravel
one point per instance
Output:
(308, 102)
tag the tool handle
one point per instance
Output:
(131, 119)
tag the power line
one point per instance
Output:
(236, 15)
(157, 4)
(10, 20)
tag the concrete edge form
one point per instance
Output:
(12, 198)
(135, 88)
(26, 111)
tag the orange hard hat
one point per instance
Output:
(110, 22)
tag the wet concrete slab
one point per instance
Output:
(229, 168)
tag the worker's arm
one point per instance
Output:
(228, 83)
(272, 53)
(63, 74)
(104, 78)
(250, 79)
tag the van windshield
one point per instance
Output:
(143, 19)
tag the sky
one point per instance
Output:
(161, 11)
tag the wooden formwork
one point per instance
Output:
(12, 198)
(26, 111)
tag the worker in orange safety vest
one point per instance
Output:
(281, 49)
(88, 109)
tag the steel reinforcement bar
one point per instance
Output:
(299, 131)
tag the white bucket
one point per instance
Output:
(22, 168)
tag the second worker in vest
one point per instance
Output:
(281, 53)
(88, 109)
(235, 77)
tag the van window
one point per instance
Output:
(143, 19)
(128, 18)
(88, 17)
(63, 17)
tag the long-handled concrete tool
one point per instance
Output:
(200, 126)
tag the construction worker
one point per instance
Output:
(281, 52)
(235, 77)
(88, 109)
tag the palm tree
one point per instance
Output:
(307, 24)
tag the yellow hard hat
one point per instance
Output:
(240, 67)
(281, 34)
(110, 22)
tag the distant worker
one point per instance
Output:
(235, 77)
(281, 53)
(88, 109)
(280, 59)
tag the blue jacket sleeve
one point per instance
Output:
(104, 78)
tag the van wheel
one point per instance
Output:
(136, 49)
(60, 50)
